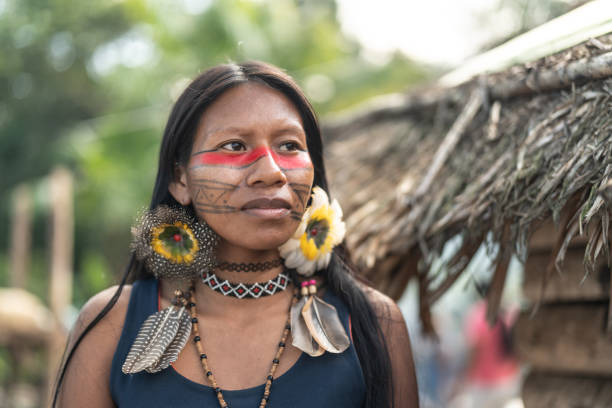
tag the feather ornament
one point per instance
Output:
(315, 325)
(159, 341)
(173, 244)
(302, 339)
(323, 323)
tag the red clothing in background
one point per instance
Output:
(491, 363)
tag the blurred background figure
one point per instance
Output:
(491, 377)
(467, 362)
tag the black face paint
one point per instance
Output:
(211, 195)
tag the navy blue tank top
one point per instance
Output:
(331, 380)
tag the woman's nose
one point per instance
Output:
(266, 171)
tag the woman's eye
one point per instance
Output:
(234, 146)
(290, 147)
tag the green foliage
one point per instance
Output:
(45, 47)
(4, 272)
(38, 277)
(90, 85)
(5, 369)
(95, 275)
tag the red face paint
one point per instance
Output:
(242, 160)
(298, 161)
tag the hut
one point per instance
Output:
(518, 160)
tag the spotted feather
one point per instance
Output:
(177, 344)
(160, 339)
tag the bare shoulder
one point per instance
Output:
(394, 328)
(92, 357)
(385, 308)
(97, 303)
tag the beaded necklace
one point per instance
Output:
(251, 290)
(204, 359)
(248, 267)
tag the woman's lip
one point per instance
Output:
(267, 203)
(268, 212)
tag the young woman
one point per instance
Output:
(215, 317)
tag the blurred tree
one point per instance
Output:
(44, 88)
(44, 84)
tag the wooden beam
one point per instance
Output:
(609, 323)
(566, 338)
(544, 238)
(571, 285)
(579, 25)
(558, 391)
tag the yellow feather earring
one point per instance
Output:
(315, 325)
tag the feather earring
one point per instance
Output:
(173, 245)
(310, 248)
(315, 325)
(160, 338)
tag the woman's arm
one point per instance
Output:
(86, 381)
(405, 392)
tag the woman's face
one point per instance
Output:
(249, 175)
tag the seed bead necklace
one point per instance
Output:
(204, 359)
(248, 267)
(250, 290)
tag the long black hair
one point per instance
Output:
(176, 146)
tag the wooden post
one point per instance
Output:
(60, 284)
(21, 237)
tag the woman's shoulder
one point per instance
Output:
(98, 302)
(92, 358)
(397, 341)
(385, 308)
(107, 330)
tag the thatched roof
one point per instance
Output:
(487, 160)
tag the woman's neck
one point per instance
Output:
(225, 251)
(212, 304)
(210, 301)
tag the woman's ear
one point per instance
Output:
(178, 187)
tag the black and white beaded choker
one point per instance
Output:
(248, 290)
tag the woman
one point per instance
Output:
(242, 153)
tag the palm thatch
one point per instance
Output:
(487, 160)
